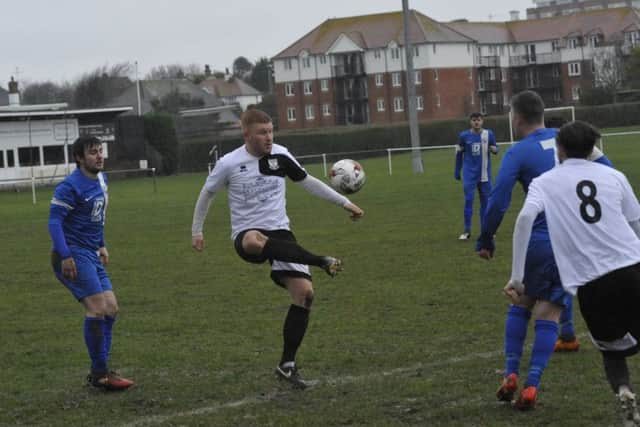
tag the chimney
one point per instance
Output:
(14, 94)
(515, 15)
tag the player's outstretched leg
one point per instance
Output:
(469, 191)
(567, 341)
(515, 333)
(290, 251)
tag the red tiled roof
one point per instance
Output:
(373, 31)
(607, 22)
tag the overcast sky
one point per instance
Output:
(60, 40)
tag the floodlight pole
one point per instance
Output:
(138, 90)
(414, 131)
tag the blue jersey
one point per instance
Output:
(77, 213)
(523, 162)
(473, 155)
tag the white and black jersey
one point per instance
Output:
(588, 208)
(256, 187)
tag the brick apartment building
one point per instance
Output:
(549, 8)
(352, 70)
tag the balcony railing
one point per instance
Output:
(348, 70)
(489, 61)
(489, 85)
(537, 59)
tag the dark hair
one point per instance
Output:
(81, 144)
(475, 114)
(529, 106)
(555, 122)
(252, 116)
(577, 139)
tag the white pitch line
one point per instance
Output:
(330, 381)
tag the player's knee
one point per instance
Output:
(253, 241)
(308, 299)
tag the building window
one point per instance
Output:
(434, 48)
(470, 73)
(574, 68)
(435, 74)
(324, 85)
(557, 96)
(326, 110)
(291, 114)
(396, 80)
(574, 43)
(1, 159)
(416, 51)
(418, 77)
(473, 98)
(492, 73)
(323, 59)
(306, 62)
(309, 112)
(289, 89)
(379, 81)
(398, 104)
(594, 40)
(11, 160)
(555, 45)
(29, 156)
(503, 73)
(380, 104)
(575, 93)
(287, 64)
(419, 103)
(494, 98)
(376, 54)
(395, 53)
(501, 50)
(438, 100)
(555, 71)
(53, 154)
(306, 87)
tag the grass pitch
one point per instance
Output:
(409, 334)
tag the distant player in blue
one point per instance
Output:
(473, 159)
(76, 226)
(544, 295)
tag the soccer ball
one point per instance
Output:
(347, 176)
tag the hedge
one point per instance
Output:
(375, 139)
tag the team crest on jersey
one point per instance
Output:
(273, 164)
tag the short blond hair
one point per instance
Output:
(253, 116)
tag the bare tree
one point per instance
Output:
(96, 87)
(609, 71)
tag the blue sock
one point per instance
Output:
(546, 336)
(515, 332)
(94, 339)
(566, 319)
(108, 326)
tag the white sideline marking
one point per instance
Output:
(330, 381)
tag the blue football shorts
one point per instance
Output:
(541, 277)
(92, 277)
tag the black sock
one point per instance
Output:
(287, 251)
(295, 326)
(617, 372)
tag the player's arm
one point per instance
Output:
(62, 203)
(598, 156)
(320, 189)
(630, 205)
(459, 157)
(214, 181)
(499, 201)
(521, 236)
(493, 145)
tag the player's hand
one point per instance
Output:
(356, 212)
(493, 149)
(69, 270)
(197, 242)
(104, 256)
(513, 290)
